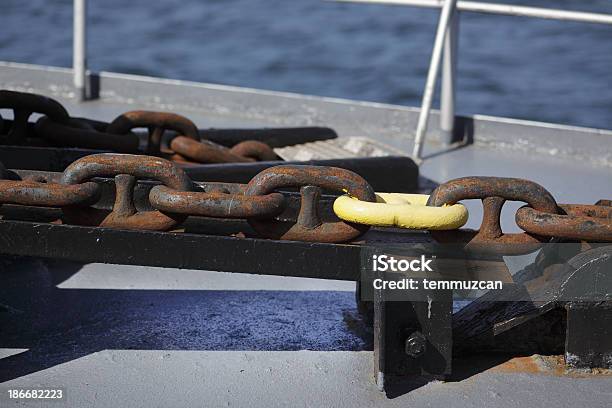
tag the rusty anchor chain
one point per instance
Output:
(156, 123)
(494, 192)
(264, 201)
(77, 192)
(541, 219)
(254, 150)
(310, 180)
(204, 151)
(262, 206)
(186, 146)
(58, 128)
(582, 222)
(259, 202)
(218, 204)
(40, 194)
(125, 169)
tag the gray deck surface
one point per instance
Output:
(115, 336)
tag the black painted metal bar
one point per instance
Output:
(42, 158)
(381, 172)
(180, 250)
(274, 137)
(588, 339)
(386, 174)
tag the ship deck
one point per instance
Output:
(114, 335)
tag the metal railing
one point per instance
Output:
(79, 48)
(446, 42)
(445, 48)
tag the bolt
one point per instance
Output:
(415, 344)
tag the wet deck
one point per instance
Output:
(121, 335)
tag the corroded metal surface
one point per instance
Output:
(35, 193)
(583, 222)
(204, 151)
(59, 129)
(110, 165)
(493, 191)
(309, 227)
(207, 152)
(162, 207)
(216, 204)
(255, 150)
(126, 168)
(156, 123)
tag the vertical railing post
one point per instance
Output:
(448, 9)
(449, 80)
(79, 51)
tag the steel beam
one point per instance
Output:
(181, 250)
(273, 137)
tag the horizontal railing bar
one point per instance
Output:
(505, 9)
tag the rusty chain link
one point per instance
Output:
(156, 123)
(542, 218)
(125, 169)
(216, 203)
(310, 180)
(207, 152)
(264, 202)
(58, 128)
(36, 193)
(583, 222)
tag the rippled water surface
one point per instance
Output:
(509, 66)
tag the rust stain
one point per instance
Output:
(546, 365)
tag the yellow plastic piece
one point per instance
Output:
(400, 210)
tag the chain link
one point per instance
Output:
(582, 222)
(125, 169)
(310, 180)
(542, 218)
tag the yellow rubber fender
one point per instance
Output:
(400, 210)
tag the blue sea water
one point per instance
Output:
(508, 66)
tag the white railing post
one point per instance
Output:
(449, 80)
(447, 37)
(79, 51)
(430, 85)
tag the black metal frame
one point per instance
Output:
(181, 250)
